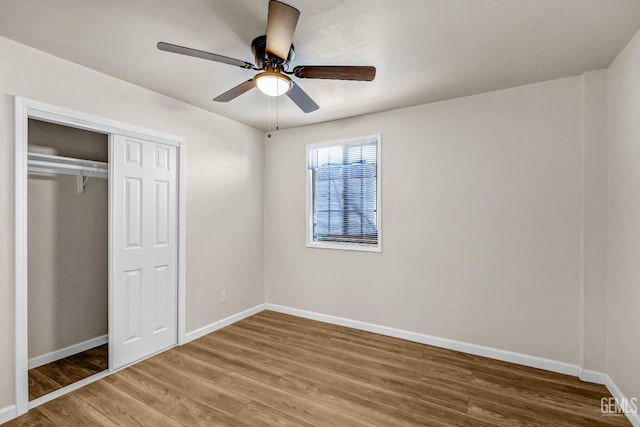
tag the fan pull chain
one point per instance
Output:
(277, 113)
(269, 115)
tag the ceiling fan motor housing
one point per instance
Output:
(264, 60)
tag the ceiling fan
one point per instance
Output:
(273, 53)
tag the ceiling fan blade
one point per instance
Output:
(235, 92)
(174, 48)
(301, 99)
(335, 72)
(281, 24)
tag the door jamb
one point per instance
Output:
(24, 109)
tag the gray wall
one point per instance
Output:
(68, 244)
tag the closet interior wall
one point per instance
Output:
(67, 243)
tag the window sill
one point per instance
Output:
(344, 246)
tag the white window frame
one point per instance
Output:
(309, 228)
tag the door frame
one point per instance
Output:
(25, 109)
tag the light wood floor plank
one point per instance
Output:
(34, 418)
(257, 414)
(277, 370)
(202, 389)
(177, 406)
(72, 410)
(117, 407)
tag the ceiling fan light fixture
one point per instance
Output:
(273, 83)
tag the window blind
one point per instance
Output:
(344, 192)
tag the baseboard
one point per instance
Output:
(634, 417)
(68, 351)
(7, 413)
(200, 332)
(478, 350)
(595, 377)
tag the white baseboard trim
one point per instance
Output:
(212, 327)
(7, 413)
(595, 377)
(478, 350)
(68, 351)
(634, 417)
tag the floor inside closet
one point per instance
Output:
(61, 373)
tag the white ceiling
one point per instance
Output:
(424, 50)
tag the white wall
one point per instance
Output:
(482, 220)
(224, 195)
(623, 314)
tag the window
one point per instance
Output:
(343, 198)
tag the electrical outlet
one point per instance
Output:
(223, 296)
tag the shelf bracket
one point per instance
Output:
(81, 183)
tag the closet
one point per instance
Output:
(68, 244)
(99, 248)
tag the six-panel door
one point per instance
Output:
(145, 245)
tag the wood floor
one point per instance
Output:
(277, 370)
(55, 375)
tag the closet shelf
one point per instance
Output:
(45, 163)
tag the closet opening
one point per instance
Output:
(68, 255)
(99, 210)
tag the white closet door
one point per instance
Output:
(144, 241)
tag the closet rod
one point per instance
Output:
(45, 163)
